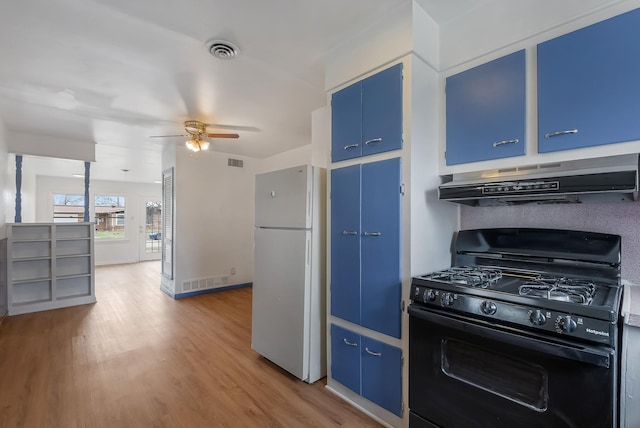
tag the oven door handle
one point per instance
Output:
(585, 354)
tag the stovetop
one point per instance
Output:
(540, 285)
(551, 282)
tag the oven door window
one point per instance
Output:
(520, 381)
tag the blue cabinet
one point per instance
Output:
(380, 238)
(368, 367)
(365, 245)
(345, 243)
(381, 368)
(486, 111)
(366, 117)
(589, 85)
(345, 357)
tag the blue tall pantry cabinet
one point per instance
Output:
(365, 245)
(365, 277)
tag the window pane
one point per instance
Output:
(153, 225)
(109, 216)
(68, 208)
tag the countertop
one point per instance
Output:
(631, 304)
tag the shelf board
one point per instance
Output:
(30, 280)
(32, 302)
(73, 296)
(28, 259)
(77, 275)
(70, 256)
(16, 240)
(81, 238)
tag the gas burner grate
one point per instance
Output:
(560, 289)
(466, 275)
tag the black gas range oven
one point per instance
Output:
(522, 331)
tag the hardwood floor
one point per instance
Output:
(138, 358)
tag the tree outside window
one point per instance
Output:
(68, 208)
(110, 217)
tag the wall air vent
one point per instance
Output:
(238, 163)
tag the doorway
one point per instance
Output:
(150, 231)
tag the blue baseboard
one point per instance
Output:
(210, 290)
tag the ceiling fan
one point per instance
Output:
(197, 130)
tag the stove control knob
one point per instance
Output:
(537, 317)
(488, 308)
(431, 295)
(566, 324)
(447, 299)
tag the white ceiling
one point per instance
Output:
(115, 72)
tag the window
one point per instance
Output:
(109, 216)
(68, 208)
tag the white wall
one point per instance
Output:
(214, 211)
(432, 222)
(3, 175)
(501, 23)
(299, 156)
(106, 251)
(381, 43)
(46, 145)
(3, 202)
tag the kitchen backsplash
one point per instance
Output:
(618, 218)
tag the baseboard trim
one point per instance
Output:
(210, 290)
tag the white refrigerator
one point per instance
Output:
(288, 309)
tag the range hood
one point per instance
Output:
(606, 179)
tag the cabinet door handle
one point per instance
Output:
(374, 140)
(503, 142)
(555, 134)
(351, 146)
(375, 354)
(349, 232)
(346, 342)
(372, 234)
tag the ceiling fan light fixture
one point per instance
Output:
(204, 145)
(193, 145)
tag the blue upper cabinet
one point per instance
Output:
(382, 111)
(346, 123)
(366, 117)
(486, 111)
(589, 85)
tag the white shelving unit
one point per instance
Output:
(49, 266)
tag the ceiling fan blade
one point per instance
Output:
(168, 136)
(222, 135)
(233, 127)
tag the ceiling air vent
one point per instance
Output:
(222, 49)
(238, 163)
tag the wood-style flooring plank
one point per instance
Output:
(138, 358)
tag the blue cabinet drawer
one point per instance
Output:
(382, 374)
(345, 357)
